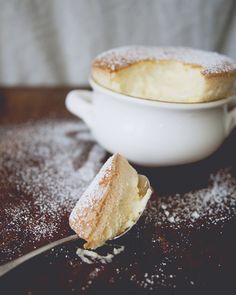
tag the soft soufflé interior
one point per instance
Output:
(165, 81)
(129, 195)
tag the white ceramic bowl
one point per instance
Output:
(153, 133)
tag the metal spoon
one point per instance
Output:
(5, 268)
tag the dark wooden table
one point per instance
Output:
(194, 256)
(18, 105)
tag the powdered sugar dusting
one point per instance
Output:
(95, 191)
(45, 168)
(211, 62)
(167, 231)
(156, 260)
(213, 204)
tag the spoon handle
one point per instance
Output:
(5, 268)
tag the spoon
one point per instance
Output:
(5, 268)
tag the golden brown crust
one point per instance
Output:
(105, 181)
(212, 64)
(88, 219)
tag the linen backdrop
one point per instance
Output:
(53, 42)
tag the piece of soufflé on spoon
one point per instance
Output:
(111, 204)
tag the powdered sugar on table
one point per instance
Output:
(211, 205)
(45, 168)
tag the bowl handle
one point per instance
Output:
(231, 117)
(79, 103)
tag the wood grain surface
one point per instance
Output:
(160, 257)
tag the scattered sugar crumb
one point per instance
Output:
(91, 257)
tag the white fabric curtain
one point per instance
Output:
(53, 42)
